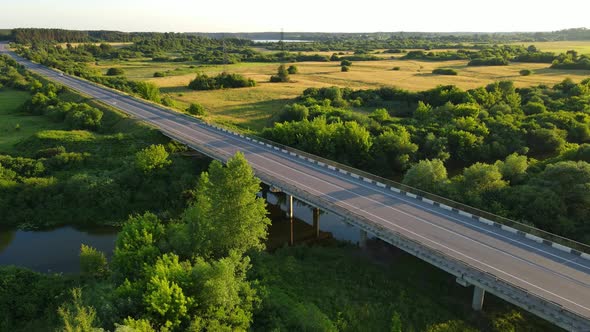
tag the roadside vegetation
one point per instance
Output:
(67, 160)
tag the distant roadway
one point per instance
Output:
(542, 270)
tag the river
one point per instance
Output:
(57, 250)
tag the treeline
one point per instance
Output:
(96, 168)
(36, 35)
(475, 133)
(487, 56)
(571, 60)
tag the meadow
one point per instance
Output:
(15, 125)
(253, 108)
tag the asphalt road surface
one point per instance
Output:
(540, 269)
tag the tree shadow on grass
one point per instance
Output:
(256, 116)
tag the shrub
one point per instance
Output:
(526, 72)
(148, 90)
(167, 101)
(115, 71)
(151, 158)
(444, 71)
(346, 63)
(292, 69)
(93, 263)
(223, 80)
(345, 68)
(281, 76)
(196, 109)
(159, 74)
(395, 68)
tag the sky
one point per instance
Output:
(297, 16)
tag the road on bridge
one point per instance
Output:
(542, 270)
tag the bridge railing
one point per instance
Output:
(521, 226)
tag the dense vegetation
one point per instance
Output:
(205, 271)
(222, 81)
(514, 151)
(88, 171)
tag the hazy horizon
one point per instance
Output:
(454, 16)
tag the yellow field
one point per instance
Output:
(252, 108)
(583, 47)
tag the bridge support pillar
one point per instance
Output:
(363, 238)
(316, 222)
(478, 295)
(289, 206)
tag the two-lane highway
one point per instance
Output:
(541, 270)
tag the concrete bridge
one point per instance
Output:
(547, 275)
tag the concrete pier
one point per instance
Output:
(363, 239)
(478, 295)
(316, 222)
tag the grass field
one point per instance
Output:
(11, 119)
(583, 47)
(253, 108)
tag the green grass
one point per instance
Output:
(11, 119)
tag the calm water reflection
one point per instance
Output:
(57, 250)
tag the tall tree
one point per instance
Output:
(227, 215)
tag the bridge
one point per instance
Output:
(540, 272)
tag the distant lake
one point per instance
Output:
(57, 250)
(278, 40)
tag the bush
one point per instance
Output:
(151, 158)
(223, 80)
(167, 101)
(444, 71)
(346, 63)
(93, 263)
(281, 76)
(395, 68)
(526, 72)
(148, 91)
(115, 71)
(345, 68)
(159, 74)
(292, 69)
(196, 109)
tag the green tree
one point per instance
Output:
(148, 91)
(345, 69)
(480, 178)
(292, 70)
(281, 76)
(137, 245)
(151, 158)
(227, 215)
(76, 316)
(513, 168)
(93, 263)
(428, 175)
(166, 302)
(393, 150)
